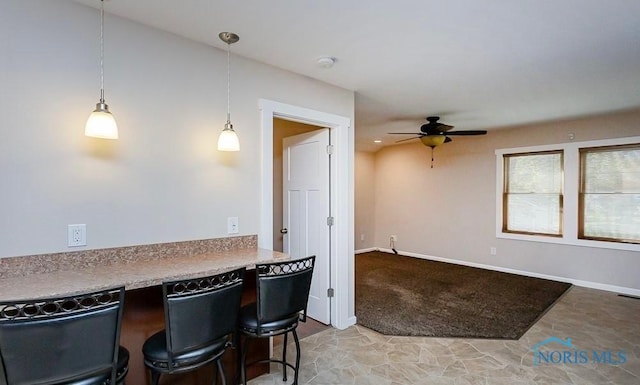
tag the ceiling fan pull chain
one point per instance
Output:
(431, 157)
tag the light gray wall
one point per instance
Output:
(450, 211)
(163, 180)
(365, 188)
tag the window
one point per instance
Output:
(574, 193)
(609, 205)
(532, 196)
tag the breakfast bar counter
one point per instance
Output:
(134, 274)
(141, 270)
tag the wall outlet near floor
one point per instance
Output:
(492, 250)
(232, 225)
(76, 235)
(394, 238)
(362, 237)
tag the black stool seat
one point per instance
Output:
(123, 365)
(156, 354)
(248, 321)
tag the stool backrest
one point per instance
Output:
(202, 310)
(60, 340)
(282, 289)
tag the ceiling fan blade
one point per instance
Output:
(405, 133)
(468, 132)
(444, 127)
(404, 140)
(448, 139)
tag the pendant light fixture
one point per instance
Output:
(101, 123)
(228, 139)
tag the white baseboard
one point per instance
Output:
(366, 250)
(345, 323)
(351, 321)
(577, 282)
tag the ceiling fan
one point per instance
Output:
(434, 133)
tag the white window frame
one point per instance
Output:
(571, 182)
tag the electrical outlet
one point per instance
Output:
(394, 238)
(492, 250)
(76, 235)
(232, 225)
(362, 237)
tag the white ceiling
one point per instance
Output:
(479, 64)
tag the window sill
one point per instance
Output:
(569, 241)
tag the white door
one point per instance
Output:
(306, 208)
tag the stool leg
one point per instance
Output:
(284, 358)
(295, 374)
(238, 349)
(221, 372)
(243, 364)
(155, 377)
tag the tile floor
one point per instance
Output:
(592, 319)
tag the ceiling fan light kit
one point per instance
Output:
(432, 140)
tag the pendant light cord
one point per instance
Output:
(228, 83)
(102, 51)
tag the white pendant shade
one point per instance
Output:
(101, 124)
(228, 140)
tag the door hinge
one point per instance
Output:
(329, 221)
(330, 292)
(330, 149)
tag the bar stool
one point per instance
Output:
(282, 293)
(63, 340)
(200, 315)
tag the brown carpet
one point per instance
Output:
(405, 296)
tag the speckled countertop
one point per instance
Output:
(132, 274)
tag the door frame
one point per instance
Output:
(342, 198)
